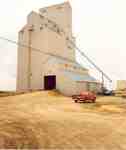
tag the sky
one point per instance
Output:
(98, 25)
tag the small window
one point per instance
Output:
(31, 28)
(58, 30)
(22, 32)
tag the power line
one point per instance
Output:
(35, 49)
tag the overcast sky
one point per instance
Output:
(98, 25)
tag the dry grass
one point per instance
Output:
(107, 104)
(50, 120)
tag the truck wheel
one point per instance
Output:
(75, 101)
(93, 101)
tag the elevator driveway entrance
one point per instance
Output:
(50, 82)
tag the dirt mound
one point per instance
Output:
(54, 93)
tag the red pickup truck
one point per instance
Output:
(84, 97)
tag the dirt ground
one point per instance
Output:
(49, 120)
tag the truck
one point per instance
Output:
(84, 97)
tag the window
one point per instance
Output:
(22, 32)
(31, 28)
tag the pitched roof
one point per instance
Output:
(79, 77)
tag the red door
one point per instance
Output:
(50, 82)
